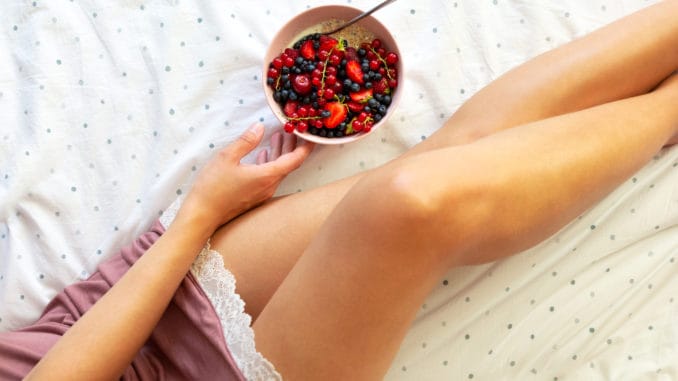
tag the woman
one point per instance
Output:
(566, 128)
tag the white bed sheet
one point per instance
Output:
(108, 108)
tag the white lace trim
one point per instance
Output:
(219, 286)
(170, 213)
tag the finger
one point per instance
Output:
(289, 143)
(292, 160)
(262, 157)
(249, 140)
(276, 146)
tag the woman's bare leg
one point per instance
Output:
(626, 58)
(343, 310)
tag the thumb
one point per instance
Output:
(248, 141)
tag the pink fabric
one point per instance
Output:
(187, 344)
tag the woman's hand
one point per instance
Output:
(225, 188)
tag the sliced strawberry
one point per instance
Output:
(307, 51)
(355, 106)
(337, 114)
(290, 108)
(361, 96)
(354, 72)
(327, 42)
(381, 87)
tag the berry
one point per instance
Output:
(337, 114)
(354, 72)
(302, 126)
(288, 127)
(277, 63)
(376, 43)
(381, 87)
(355, 107)
(329, 94)
(273, 73)
(362, 96)
(288, 62)
(307, 51)
(391, 58)
(290, 108)
(302, 84)
(327, 43)
(357, 125)
(374, 65)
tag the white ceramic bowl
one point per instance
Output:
(293, 30)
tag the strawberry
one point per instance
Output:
(337, 114)
(307, 50)
(361, 96)
(381, 87)
(290, 108)
(327, 43)
(355, 106)
(354, 72)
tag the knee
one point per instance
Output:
(423, 210)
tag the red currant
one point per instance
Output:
(288, 127)
(391, 58)
(357, 126)
(374, 65)
(329, 94)
(376, 43)
(277, 63)
(302, 126)
(273, 73)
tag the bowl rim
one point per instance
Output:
(292, 23)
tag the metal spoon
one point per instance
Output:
(360, 16)
(348, 23)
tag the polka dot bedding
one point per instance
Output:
(108, 108)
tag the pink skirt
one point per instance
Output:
(203, 335)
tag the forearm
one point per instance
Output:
(105, 340)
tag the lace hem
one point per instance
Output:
(219, 286)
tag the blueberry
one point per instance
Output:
(387, 100)
(287, 85)
(355, 87)
(325, 113)
(382, 110)
(285, 70)
(367, 109)
(316, 45)
(377, 77)
(284, 94)
(293, 96)
(343, 63)
(314, 96)
(322, 132)
(342, 73)
(299, 60)
(373, 103)
(277, 96)
(270, 81)
(330, 134)
(313, 131)
(379, 97)
(347, 83)
(365, 67)
(368, 85)
(338, 134)
(315, 105)
(297, 70)
(377, 117)
(361, 52)
(306, 100)
(285, 77)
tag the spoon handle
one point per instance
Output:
(361, 16)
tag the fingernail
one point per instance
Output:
(257, 128)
